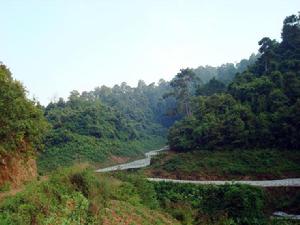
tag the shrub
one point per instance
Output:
(5, 187)
(242, 203)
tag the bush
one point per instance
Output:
(5, 187)
(242, 203)
(60, 200)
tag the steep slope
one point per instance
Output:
(22, 126)
(16, 169)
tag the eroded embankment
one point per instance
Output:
(16, 169)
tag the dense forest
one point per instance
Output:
(258, 109)
(254, 103)
(92, 126)
(226, 72)
(248, 113)
(122, 120)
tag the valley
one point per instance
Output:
(216, 145)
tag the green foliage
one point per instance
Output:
(218, 121)
(244, 204)
(5, 187)
(259, 109)
(87, 128)
(184, 85)
(128, 193)
(57, 201)
(21, 120)
(226, 72)
(209, 204)
(77, 196)
(144, 188)
(79, 148)
(229, 164)
(144, 106)
(213, 86)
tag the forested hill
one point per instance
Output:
(260, 108)
(119, 121)
(106, 123)
(226, 72)
(94, 126)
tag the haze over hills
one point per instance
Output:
(237, 121)
(81, 45)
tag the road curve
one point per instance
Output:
(292, 182)
(134, 164)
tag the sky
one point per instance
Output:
(56, 46)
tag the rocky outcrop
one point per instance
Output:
(16, 169)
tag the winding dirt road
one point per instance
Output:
(140, 163)
(291, 182)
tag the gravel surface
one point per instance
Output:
(286, 215)
(135, 164)
(292, 182)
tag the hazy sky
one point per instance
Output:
(54, 47)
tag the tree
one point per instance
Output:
(184, 84)
(291, 35)
(267, 47)
(212, 87)
(261, 108)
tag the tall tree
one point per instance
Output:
(267, 47)
(184, 84)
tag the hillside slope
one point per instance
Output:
(77, 196)
(22, 126)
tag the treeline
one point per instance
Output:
(226, 72)
(122, 120)
(92, 126)
(259, 108)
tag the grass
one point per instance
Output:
(286, 199)
(224, 204)
(210, 204)
(79, 196)
(5, 187)
(88, 149)
(235, 164)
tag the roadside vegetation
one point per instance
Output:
(236, 121)
(226, 204)
(77, 195)
(226, 165)
(80, 149)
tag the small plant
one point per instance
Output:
(5, 187)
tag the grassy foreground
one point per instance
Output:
(224, 165)
(79, 196)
